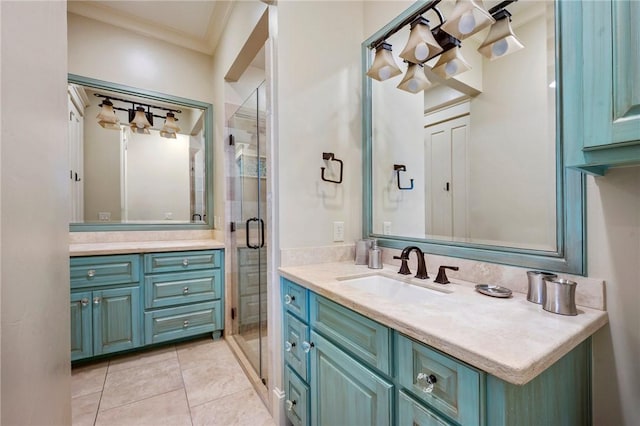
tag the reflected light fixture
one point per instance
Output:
(139, 120)
(421, 44)
(384, 66)
(170, 127)
(107, 117)
(501, 40)
(414, 80)
(451, 63)
(468, 17)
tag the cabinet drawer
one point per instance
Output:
(294, 299)
(297, 398)
(104, 270)
(456, 392)
(411, 413)
(296, 335)
(363, 337)
(182, 287)
(182, 261)
(175, 323)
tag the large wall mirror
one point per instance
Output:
(471, 166)
(138, 159)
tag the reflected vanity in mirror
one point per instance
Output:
(138, 159)
(481, 146)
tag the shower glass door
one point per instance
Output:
(249, 234)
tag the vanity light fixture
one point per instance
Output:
(414, 80)
(421, 44)
(384, 66)
(107, 117)
(501, 40)
(451, 63)
(140, 120)
(170, 127)
(468, 17)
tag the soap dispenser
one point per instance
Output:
(375, 256)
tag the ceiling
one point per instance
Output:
(196, 25)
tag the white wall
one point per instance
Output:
(35, 363)
(319, 94)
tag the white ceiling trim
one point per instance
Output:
(154, 30)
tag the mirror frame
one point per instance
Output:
(208, 140)
(569, 256)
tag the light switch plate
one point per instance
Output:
(386, 228)
(338, 231)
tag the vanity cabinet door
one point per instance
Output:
(117, 319)
(345, 392)
(81, 333)
(601, 106)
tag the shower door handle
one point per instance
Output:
(249, 245)
(262, 232)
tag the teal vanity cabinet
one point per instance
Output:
(332, 377)
(342, 368)
(106, 314)
(601, 84)
(183, 294)
(121, 302)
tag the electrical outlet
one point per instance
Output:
(386, 228)
(104, 216)
(338, 231)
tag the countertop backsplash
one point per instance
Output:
(590, 292)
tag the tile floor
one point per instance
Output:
(193, 383)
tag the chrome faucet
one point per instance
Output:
(404, 257)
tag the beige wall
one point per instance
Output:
(109, 53)
(35, 377)
(319, 93)
(613, 234)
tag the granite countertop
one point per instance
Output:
(92, 249)
(512, 339)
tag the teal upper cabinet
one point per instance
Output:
(601, 84)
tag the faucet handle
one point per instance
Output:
(442, 274)
(404, 267)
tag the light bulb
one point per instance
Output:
(451, 68)
(467, 23)
(413, 85)
(421, 52)
(385, 72)
(500, 47)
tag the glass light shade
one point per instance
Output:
(421, 44)
(468, 17)
(140, 121)
(500, 41)
(451, 63)
(384, 66)
(414, 80)
(168, 135)
(107, 116)
(170, 127)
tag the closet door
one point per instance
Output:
(446, 178)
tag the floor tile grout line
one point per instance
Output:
(106, 373)
(226, 396)
(184, 387)
(140, 400)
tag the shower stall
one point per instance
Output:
(247, 163)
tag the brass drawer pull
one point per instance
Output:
(185, 290)
(91, 273)
(185, 324)
(185, 262)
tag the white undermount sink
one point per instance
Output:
(394, 290)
